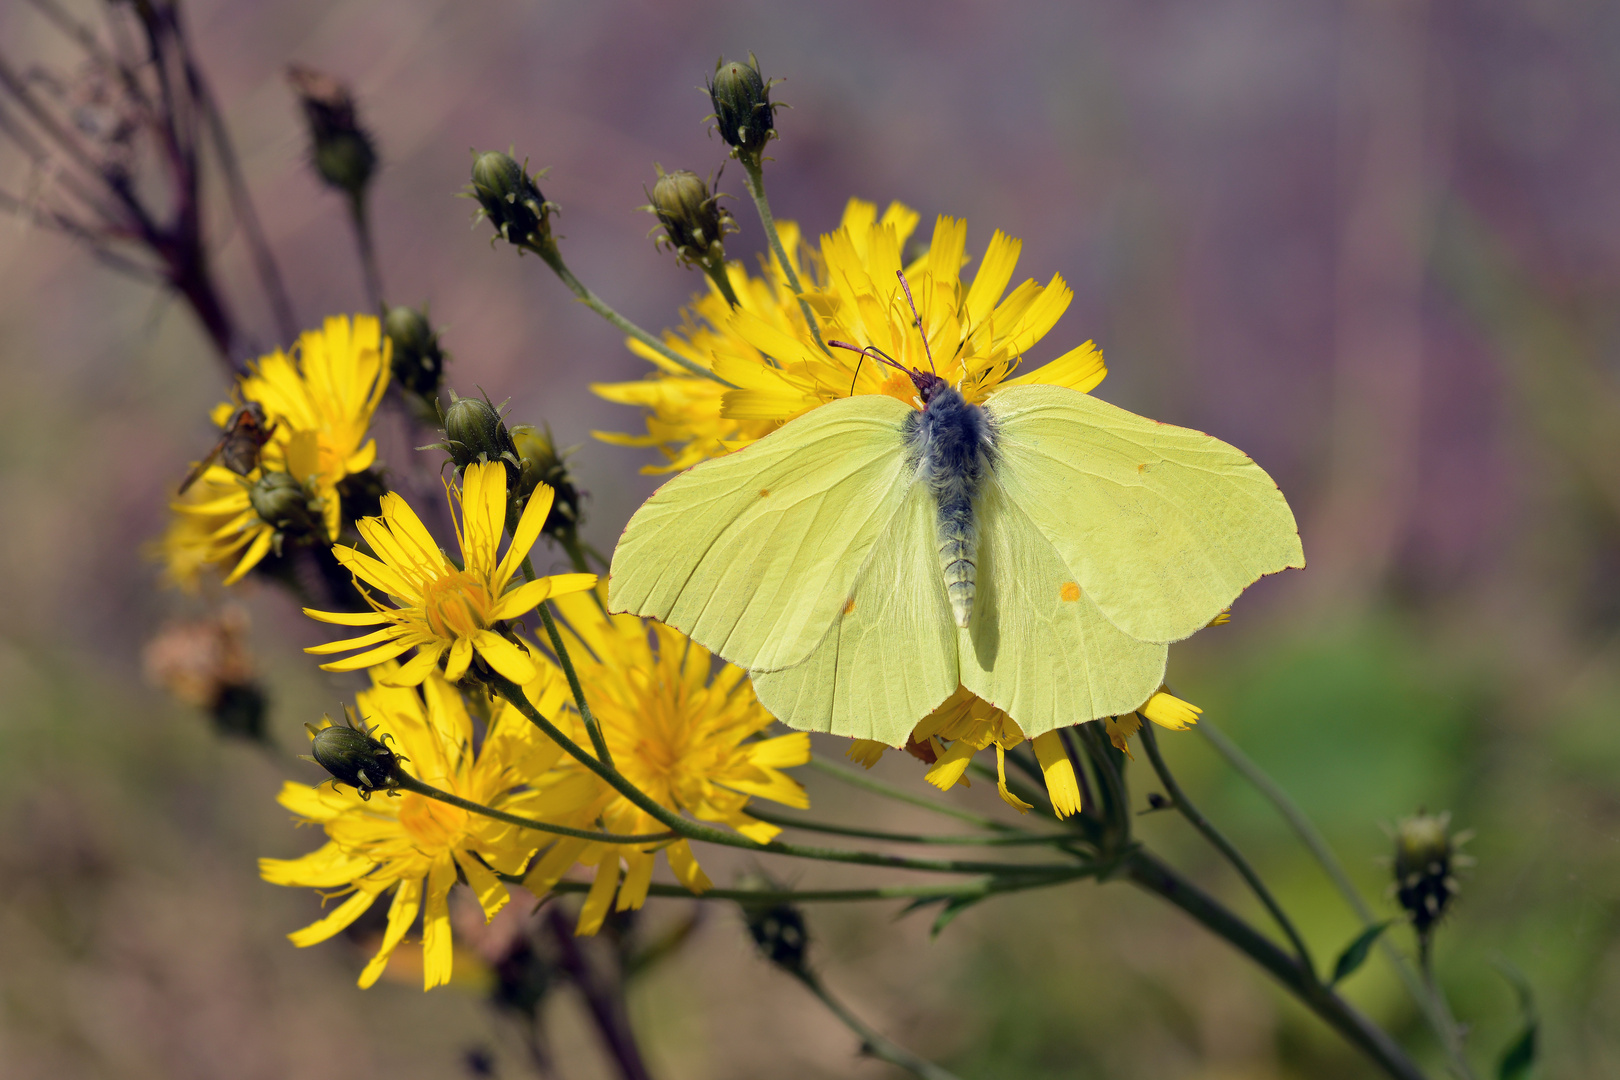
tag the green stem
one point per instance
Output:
(411, 783)
(977, 887)
(1150, 742)
(548, 250)
(1115, 830)
(592, 728)
(716, 271)
(754, 180)
(1149, 873)
(793, 821)
(873, 1043)
(878, 787)
(368, 252)
(1434, 1008)
(696, 830)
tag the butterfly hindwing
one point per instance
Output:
(1162, 526)
(890, 657)
(755, 554)
(1037, 647)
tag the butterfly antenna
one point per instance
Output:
(916, 319)
(874, 352)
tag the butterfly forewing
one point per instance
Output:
(1162, 526)
(756, 553)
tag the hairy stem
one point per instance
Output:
(1148, 872)
(873, 1043)
(754, 180)
(696, 830)
(794, 821)
(1150, 743)
(549, 251)
(1433, 1006)
(411, 783)
(878, 787)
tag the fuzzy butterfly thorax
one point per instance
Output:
(952, 443)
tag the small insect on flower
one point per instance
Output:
(239, 444)
(353, 756)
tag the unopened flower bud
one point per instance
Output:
(742, 106)
(353, 757)
(543, 465)
(475, 432)
(511, 199)
(695, 223)
(341, 149)
(1425, 860)
(418, 360)
(285, 505)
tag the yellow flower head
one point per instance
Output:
(680, 731)
(318, 403)
(413, 844)
(976, 337)
(321, 398)
(439, 607)
(948, 738)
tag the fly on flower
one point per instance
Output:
(239, 444)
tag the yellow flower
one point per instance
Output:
(676, 728)
(321, 398)
(765, 349)
(318, 402)
(965, 724)
(440, 608)
(413, 844)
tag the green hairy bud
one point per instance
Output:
(742, 106)
(511, 199)
(694, 221)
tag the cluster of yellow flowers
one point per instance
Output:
(686, 732)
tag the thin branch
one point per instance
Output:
(1150, 743)
(411, 783)
(878, 787)
(873, 1042)
(1434, 1008)
(793, 821)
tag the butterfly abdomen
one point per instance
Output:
(953, 441)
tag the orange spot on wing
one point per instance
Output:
(1070, 592)
(1142, 467)
(764, 492)
(849, 605)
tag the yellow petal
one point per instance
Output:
(253, 555)
(401, 913)
(377, 637)
(1169, 711)
(597, 901)
(437, 953)
(686, 868)
(366, 659)
(1001, 783)
(866, 752)
(504, 657)
(418, 667)
(1061, 784)
(633, 893)
(348, 618)
(492, 895)
(528, 531)
(483, 515)
(344, 914)
(461, 654)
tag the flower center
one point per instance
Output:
(457, 605)
(432, 825)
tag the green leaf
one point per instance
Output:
(1355, 954)
(1520, 1056)
(1518, 1059)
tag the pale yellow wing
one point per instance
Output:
(890, 657)
(1037, 647)
(1160, 525)
(754, 554)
